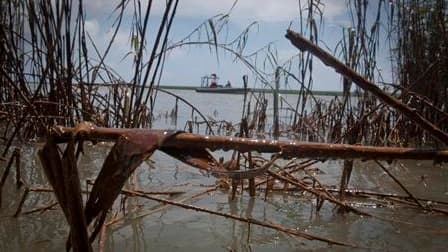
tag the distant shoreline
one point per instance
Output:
(281, 91)
(266, 90)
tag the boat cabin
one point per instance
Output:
(210, 81)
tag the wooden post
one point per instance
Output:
(277, 85)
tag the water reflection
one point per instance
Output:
(240, 231)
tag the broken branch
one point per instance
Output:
(288, 149)
(305, 45)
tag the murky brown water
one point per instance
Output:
(398, 229)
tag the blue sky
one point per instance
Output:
(185, 65)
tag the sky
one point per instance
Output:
(186, 65)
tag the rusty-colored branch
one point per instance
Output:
(160, 208)
(19, 181)
(400, 184)
(248, 220)
(368, 193)
(62, 173)
(41, 209)
(430, 208)
(325, 196)
(102, 239)
(21, 202)
(305, 45)
(286, 148)
(404, 199)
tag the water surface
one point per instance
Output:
(395, 228)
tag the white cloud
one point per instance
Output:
(253, 10)
(92, 27)
(334, 8)
(260, 10)
(100, 6)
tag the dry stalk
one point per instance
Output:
(160, 208)
(318, 194)
(306, 45)
(278, 227)
(41, 209)
(400, 184)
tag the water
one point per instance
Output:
(222, 107)
(394, 228)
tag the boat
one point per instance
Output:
(221, 90)
(209, 84)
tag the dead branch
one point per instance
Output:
(162, 207)
(287, 149)
(305, 45)
(318, 193)
(41, 209)
(361, 192)
(22, 202)
(62, 173)
(430, 208)
(248, 220)
(400, 184)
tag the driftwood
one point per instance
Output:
(305, 45)
(286, 149)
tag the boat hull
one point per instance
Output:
(222, 90)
